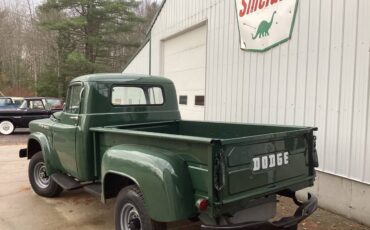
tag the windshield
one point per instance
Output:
(23, 105)
(18, 102)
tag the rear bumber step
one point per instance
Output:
(66, 182)
(93, 189)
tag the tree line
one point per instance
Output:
(42, 49)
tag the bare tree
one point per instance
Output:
(32, 59)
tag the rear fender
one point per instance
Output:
(43, 141)
(162, 177)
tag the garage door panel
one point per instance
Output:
(187, 40)
(190, 59)
(183, 80)
(184, 62)
(185, 50)
(189, 114)
(190, 92)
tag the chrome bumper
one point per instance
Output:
(303, 211)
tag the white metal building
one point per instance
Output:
(321, 77)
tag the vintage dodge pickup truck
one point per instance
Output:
(122, 136)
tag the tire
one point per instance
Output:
(130, 204)
(6, 127)
(41, 183)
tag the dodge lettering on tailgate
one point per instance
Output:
(270, 161)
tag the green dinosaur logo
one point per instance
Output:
(264, 28)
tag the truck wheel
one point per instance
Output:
(130, 213)
(41, 183)
(6, 127)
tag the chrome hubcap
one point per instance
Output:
(6, 127)
(41, 178)
(130, 218)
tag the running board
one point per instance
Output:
(93, 189)
(66, 182)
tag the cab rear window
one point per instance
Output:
(137, 95)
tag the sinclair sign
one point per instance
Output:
(264, 24)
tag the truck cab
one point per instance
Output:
(122, 136)
(96, 101)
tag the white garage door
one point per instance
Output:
(184, 62)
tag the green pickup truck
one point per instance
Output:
(121, 136)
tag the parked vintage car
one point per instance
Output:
(32, 108)
(122, 136)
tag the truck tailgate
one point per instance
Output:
(268, 163)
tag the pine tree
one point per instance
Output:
(95, 27)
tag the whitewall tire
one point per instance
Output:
(6, 127)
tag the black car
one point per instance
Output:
(31, 109)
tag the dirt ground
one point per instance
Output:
(21, 208)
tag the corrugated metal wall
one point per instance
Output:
(319, 78)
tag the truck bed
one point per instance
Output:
(213, 130)
(227, 161)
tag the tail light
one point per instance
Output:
(202, 204)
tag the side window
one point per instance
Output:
(36, 104)
(155, 96)
(73, 100)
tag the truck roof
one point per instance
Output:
(119, 77)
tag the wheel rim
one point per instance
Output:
(130, 218)
(6, 127)
(39, 173)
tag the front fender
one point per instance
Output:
(46, 150)
(162, 177)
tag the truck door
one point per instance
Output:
(65, 129)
